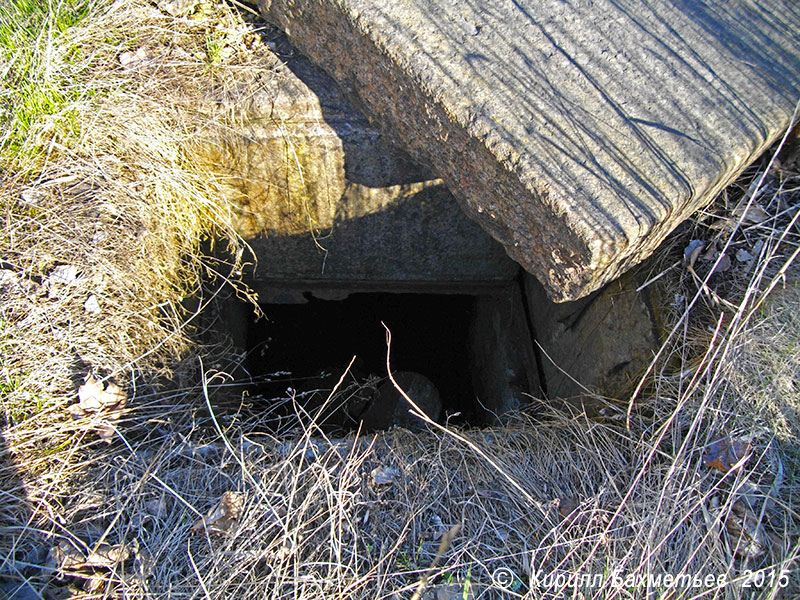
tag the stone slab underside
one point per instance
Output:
(578, 134)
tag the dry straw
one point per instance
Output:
(194, 499)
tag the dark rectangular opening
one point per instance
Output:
(430, 336)
(464, 357)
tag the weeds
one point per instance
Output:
(120, 203)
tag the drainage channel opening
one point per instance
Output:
(307, 347)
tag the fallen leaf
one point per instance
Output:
(76, 412)
(32, 198)
(722, 454)
(692, 251)
(107, 556)
(105, 431)
(8, 279)
(177, 8)
(753, 215)
(567, 506)
(63, 274)
(89, 393)
(92, 306)
(750, 540)
(221, 517)
(283, 553)
(130, 59)
(95, 584)
(156, 508)
(94, 400)
(93, 397)
(710, 252)
(384, 475)
(723, 264)
(743, 256)
(65, 557)
(113, 395)
(724, 223)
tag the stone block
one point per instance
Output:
(599, 344)
(320, 194)
(578, 134)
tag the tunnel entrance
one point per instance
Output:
(430, 336)
(466, 356)
(399, 248)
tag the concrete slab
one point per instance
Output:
(578, 133)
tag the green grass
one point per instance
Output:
(23, 21)
(34, 84)
(215, 43)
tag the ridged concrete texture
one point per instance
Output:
(578, 133)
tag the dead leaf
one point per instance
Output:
(710, 253)
(750, 540)
(95, 584)
(107, 556)
(692, 251)
(384, 475)
(753, 215)
(221, 517)
(8, 279)
(723, 224)
(113, 395)
(33, 198)
(97, 401)
(65, 557)
(177, 8)
(723, 264)
(724, 453)
(94, 397)
(567, 506)
(76, 412)
(63, 274)
(743, 256)
(130, 59)
(89, 393)
(92, 306)
(105, 431)
(156, 508)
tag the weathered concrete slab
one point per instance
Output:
(321, 195)
(577, 133)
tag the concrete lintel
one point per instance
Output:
(320, 193)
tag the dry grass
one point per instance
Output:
(120, 197)
(121, 200)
